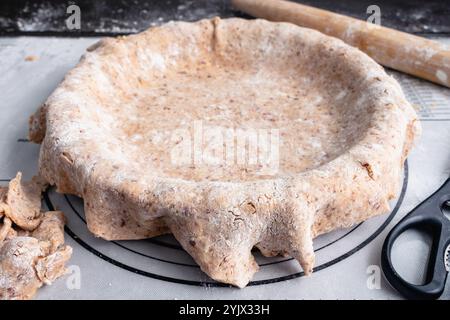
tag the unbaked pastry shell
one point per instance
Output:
(347, 131)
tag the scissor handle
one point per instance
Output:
(428, 214)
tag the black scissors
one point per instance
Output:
(428, 215)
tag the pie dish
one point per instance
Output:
(340, 129)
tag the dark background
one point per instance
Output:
(113, 17)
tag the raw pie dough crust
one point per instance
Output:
(345, 130)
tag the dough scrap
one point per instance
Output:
(51, 267)
(5, 229)
(51, 229)
(26, 263)
(24, 201)
(18, 279)
(3, 206)
(12, 234)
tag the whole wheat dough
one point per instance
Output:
(24, 201)
(3, 206)
(51, 229)
(18, 278)
(5, 229)
(345, 130)
(35, 256)
(26, 263)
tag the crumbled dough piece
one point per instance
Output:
(37, 255)
(22, 233)
(24, 201)
(51, 267)
(18, 279)
(11, 234)
(51, 229)
(26, 263)
(25, 267)
(5, 228)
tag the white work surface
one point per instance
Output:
(158, 269)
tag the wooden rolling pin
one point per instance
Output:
(414, 55)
